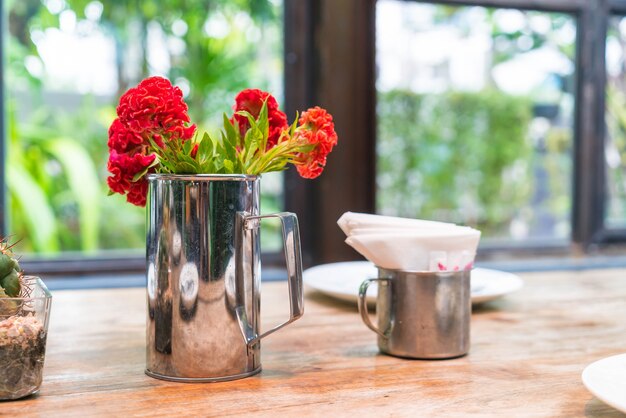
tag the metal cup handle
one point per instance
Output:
(362, 302)
(293, 258)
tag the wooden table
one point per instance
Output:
(528, 352)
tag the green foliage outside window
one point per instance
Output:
(56, 140)
(458, 156)
(616, 142)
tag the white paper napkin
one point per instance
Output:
(353, 220)
(410, 244)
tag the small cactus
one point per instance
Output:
(10, 272)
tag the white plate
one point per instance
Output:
(606, 379)
(342, 281)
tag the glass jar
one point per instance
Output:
(23, 332)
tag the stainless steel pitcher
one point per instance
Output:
(421, 314)
(203, 276)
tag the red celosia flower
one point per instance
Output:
(315, 127)
(153, 110)
(122, 139)
(251, 101)
(138, 193)
(155, 107)
(152, 124)
(124, 168)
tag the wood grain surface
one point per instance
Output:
(527, 354)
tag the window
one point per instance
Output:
(67, 63)
(566, 162)
(406, 78)
(475, 111)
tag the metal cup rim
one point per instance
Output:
(424, 272)
(203, 177)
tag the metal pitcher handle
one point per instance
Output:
(293, 258)
(362, 302)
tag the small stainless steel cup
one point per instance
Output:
(424, 315)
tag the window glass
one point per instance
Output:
(66, 65)
(475, 117)
(615, 141)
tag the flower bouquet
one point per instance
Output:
(153, 134)
(203, 238)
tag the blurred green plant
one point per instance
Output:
(499, 162)
(465, 157)
(56, 163)
(615, 136)
(58, 196)
(616, 142)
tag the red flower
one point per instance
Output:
(152, 124)
(155, 107)
(122, 139)
(153, 110)
(315, 127)
(124, 168)
(194, 151)
(138, 193)
(251, 101)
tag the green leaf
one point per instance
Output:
(230, 152)
(139, 175)
(264, 125)
(37, 211)
(205, 148)
(185, 168)
(231, 132)
(294, 125)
